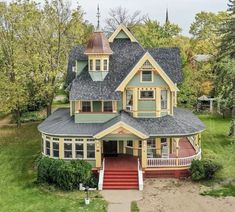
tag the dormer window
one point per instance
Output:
(97, 65)
(91, 65)
(105, 65)
(147, 76)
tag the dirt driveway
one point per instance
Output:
(163, 195)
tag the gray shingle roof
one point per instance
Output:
(125, 55)
(184, 122)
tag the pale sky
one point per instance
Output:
(181, 12)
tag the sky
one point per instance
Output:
(181, 12)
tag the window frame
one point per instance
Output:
(151, 143)
(128, 144)
(68, 142)
(164, 102)
(91, 65)
(98, 60)
(142, 80)
(141, 98)
(104, 106)
(90, 107)
(79, 141)
(47, 148)
(105, 66)
(55, 142)
(90, 141)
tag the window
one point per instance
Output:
(146, 94)
(86, 106)
(164, 99)
(56, 139)
(129, 98)
(68, 150)
(68, 139)
(79, 150)
(163, 142)
(48, 148)
(151, 143)
(108, 106)
(91, 65)
(90, 150)
(140, 144)
(147, 76)
(105, 65)
(129, 143)
(97, 65)
(55, 149)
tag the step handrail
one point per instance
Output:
(140, 176)
(101, 176)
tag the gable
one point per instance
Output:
(133, 77)
(122, 32)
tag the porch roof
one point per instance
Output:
(183, 123)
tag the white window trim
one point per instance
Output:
(79, 142)
(68, 142)
(91, 61)
(146, 98)
(100, 64)
(141, 77)
(89, 142)
(45, 145)
(58, 142)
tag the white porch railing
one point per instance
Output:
(173, 162)
(101, 176)
(140, 176)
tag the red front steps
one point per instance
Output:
(120, 179)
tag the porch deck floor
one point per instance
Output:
(121, 162)
(186, 149)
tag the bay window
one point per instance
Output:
(90, 150)
(105, 65)
(55, 149)
(79, 150)
(97, 65)
(91, 65)
(48, 148)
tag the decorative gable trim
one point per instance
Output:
(123, 28)
(137, 67)
(117, 126)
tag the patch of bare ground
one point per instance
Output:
(163, 195)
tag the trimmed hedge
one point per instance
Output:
(203, 169)
(66, 175)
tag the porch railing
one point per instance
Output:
(173, 162)
(101, 176)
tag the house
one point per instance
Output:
(123, 116)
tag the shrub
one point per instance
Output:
(203, 169)
(210, 169)
(197, 170)
(67, 175)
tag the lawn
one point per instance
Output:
(217, 146)
(19, 192)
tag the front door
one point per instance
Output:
(110, 148)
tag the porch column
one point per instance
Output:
(144, 154)
(158, 101)
(98, 153)
(177, 151)
(135, 147)
(135, 102)
(158, 146)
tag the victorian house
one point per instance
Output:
(123, 117)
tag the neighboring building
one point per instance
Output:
(123, 117)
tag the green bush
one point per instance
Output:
(197, 170)
(67, 175)
(203, 170)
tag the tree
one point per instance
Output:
(152, 34)
(15, 23)
(120, 15)
(225, 68)
(205, 32)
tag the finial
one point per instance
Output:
(98, 18)
(167, 18)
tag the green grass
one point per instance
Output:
(225, 190)
(134, 207)
(19, 192)
(218, 146)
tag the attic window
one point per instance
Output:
(147, 76)
(91, 65)
(105, 65)
(97, 65)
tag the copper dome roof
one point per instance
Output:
(98, 44)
